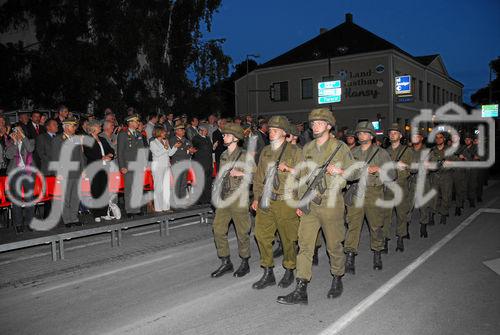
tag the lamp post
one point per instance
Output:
(248, 92)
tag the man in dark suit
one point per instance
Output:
(169, 124)
(262, 139)
(62, 113)
(218, 141)
(203, 155)
(44, 153)
(34, 128)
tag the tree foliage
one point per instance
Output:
(482, 96)
(148, 54)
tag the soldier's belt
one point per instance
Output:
(279, 197)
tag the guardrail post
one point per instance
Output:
(167, 226)
(119, 241)
(61, 248)
(54, 251)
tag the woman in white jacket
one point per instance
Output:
(160, 168)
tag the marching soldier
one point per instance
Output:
(401, 155)
(231, 181)
(441, 179)
(374, 157)
(350, 138)
(71, 199)
(277, 161)
(469, 153)
(416, 152)
(128, 144)
(459, 181)
(324, 212)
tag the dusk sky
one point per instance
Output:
(466, 33)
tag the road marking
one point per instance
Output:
(125, 268)
(366, 303)
(493, 264)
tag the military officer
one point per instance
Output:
(458, 173)
(326, 211)
(277, 160)
(71, 199)
(183, 153)
(401, 155)
(128, 144)
(417, 148)
(440, 178)
(373, 157)
(231, 180)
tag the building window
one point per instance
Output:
(428, 92)
(437, 95)
(420, 90)
(442, 97)
(280, 91)
(307, 88)
(434, 94)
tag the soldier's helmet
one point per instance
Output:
(280, 122)
(396, 127)
(292, 129)
(233, 129)
(365, 127)
(322, 114)
(349, 133)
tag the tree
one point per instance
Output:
(482, 96)
(147, 54)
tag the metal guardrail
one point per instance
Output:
(57, 240)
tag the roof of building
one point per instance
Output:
(345, 39)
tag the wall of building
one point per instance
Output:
(367, 88)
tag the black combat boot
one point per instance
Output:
(431, 219)
(287, 279)
(243, 269)
(298, 296)
(377, 260)
(315, 256)
(423, 231)
(386, 246)
(349, 263)
(458, 211)
(279, 250)
(472, 203)
(266, 280)
(225, 267)
(443, 219)
(400, 245)
(337, 287)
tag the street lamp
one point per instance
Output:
(248, 92)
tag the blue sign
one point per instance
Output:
(403, 85)
(489, 110)
(329, 92)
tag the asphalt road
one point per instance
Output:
(439, 285)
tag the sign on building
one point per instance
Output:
(403, 85)
(329, 92)
(489, 110)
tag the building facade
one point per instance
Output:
(367, 67)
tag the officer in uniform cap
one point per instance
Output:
(326, 211)
(401, 155)
(373, 157)
(277, 161)
(128, 144)
(183, 153)
(71, 199)
(230, 181)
